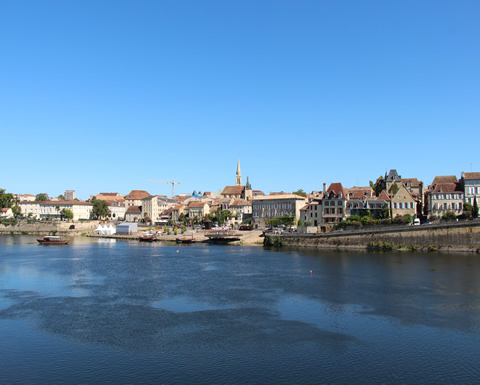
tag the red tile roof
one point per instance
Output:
(137, 194)
(414, 182)
(336, 188)
(471, 175)
(447, 188)
(233, 190)
(383, 196)
(133, 210)
(197, 204)
(444, 179)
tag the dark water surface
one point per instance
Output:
(101, 312)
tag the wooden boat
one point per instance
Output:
(185, 239)
(147, 238)
(53, 240)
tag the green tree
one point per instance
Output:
(394, 189)
(449, 215)
(16, 210)
(300, 192)
(183, 229)
(68, 214)
(42, 197)
(378, 185)
(468, 209)
(181, 217)
(408, 218)
(6, 199)
(100, 208)
(475, 208)
(300, 223)
(61, 197)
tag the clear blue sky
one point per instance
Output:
(100, 96)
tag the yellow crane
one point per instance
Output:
(173, 182)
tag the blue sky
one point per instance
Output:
(100, 96)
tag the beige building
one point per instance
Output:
(445, 197)
(241, 209)
(311, 213)
(133, 214)
(198, 209)
(117, 209)
(402, 202)
(176, 211)
(134, 198)
(271, 206)
(155, 206)
(53, 209)
(26, 197)
(334, 203)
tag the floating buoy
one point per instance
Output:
(310, 271)
(177, 251)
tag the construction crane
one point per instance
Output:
(172, 182)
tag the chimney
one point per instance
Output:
(324, 188)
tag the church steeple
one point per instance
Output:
(239, 175)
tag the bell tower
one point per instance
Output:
(238, 182)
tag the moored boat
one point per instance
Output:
(53, 240)
(147, 238)
(188, 239)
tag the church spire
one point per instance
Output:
(239, 175)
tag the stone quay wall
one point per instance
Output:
(454, 237)
(39, 228)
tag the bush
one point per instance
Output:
(449, 215)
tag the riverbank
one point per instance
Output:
(247, 238)
(457, 237)
(70, 229)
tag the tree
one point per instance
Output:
(42, 197)
(394, 189)
(300, 223)
(6, 199)
(68, 214)
(100, 208)
(61, 197)
(475, 208)
(16, 210)
(300, 192)
(378, 186)
(467, 209)
(57, 209)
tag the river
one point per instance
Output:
(104, 311)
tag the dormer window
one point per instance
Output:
(340, 195)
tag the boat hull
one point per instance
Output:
(46, 242)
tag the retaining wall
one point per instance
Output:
(458, 236)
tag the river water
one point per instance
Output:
(101, 311)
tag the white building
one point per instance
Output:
(55, 209)
(471, 185)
